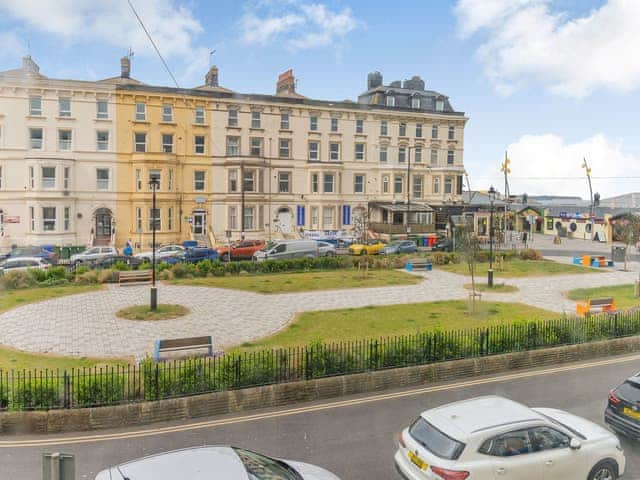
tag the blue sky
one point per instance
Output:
(551, 81)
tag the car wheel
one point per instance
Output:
(225, 257)
(330, 254)
(605, 470)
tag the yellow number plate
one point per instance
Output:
(417, 461)
(631, 413)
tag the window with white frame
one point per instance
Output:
(140, 140)
(170, 218)
(284, 148)
(141, 111)
(284, 182)
(64, 139)
(313, 123)
(434, 131)
(255, 145)
(417, 154)
(385, 184)
(167, 113)
(284, 121)
(417, 186)
(359, 125)
(138, 219)
(232, 118)
(32, 178)
(64, 107)
(36, 138)
(360, 149)
(329, 183)
(415, 102)
(249, 218)
(452, 132)
(66, 174)
(255, 119)
(451, 157)
(102, 179)
(334, 151)
(199, 144)
(48, 177)
(315, 188)
(102, 110)
(327, 217)
(198, 180)
(199, 117)
(167, 143)
(402, 154)
(436, 185)
(233, 181)
(138, 179)
(383, 154)
(155, 174)
(418, 130)
(423, 218)
(448, 185)
(334, 124)
(35, 105)
(402, 129)
(102, 140)
(391, 101)
(49, 219)
(67, 218)
(233, 146)
(32, 219)
(358, 183)
(155, 217)
(384, 128)
(314, 151)
(233, 218)
(315, 217)
(434, 156)
(249, 181)
(398, 182)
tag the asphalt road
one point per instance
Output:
(352, 436)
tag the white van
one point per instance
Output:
(279, 250)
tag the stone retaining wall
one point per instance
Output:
(59, 421)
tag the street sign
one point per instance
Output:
(227, 233)
(8, 219)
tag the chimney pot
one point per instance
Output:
(125, 67)
(211, 78)
(286, 83)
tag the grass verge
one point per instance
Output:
(165, 311)
(520, 268)
(497, 288)
(622, 294)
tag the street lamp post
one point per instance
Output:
(492, 196)
(154, 183)
(409, 191)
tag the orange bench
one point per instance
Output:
(596, 305)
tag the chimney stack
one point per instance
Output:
(286, 83)
(29, 65)
(211, 78)
(125, 67)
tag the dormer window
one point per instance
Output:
(439, 105)
(391, 101)
(415, 102)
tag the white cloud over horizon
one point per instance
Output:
(296, 25)
(525, 42)
(547, 164)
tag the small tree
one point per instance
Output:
(627, 230)
(468, 245)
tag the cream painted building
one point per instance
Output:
(57, 159)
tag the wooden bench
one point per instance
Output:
(134, 276)
(177, 344)
(419, 263)
(596, 305)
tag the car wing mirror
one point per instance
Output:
(575, 444)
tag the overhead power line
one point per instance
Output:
(153, 43)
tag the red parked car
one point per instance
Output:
(242, 250)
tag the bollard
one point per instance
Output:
(58, 466)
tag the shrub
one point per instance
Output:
(56, 273)
(35, 394)
(165, 275)
(87, 278)
(38, 275)
(147, 266)
(82, 269)
(121, 266)
(16, 280)
(99, 390)
(530, 254)
(108, 276)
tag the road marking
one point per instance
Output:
(310, 409)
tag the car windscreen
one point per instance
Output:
(260, 467)
(435, 441)
(629, 391)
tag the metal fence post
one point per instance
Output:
(58, 466)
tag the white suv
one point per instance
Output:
(491, 437)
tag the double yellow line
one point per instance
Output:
(309, 409)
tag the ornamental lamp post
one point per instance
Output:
(154, 183)
(492, 197)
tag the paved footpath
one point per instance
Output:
(86, 325)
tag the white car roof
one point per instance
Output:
(466, 418)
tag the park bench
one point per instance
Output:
(178, 344)
(596, 305)
(419, 263)
(134, 276)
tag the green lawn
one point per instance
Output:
(622, 294)
(371, 322)
(164, 311)
(15, 359)
(520, 268)
(306, 281)
(497, 287)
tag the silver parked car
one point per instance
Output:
(163, 252)
(208, 462)
(93, 253)
(22, 264)
(400, 246)
(326, 249)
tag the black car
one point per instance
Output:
(108, 262)
(623, 408)
(443, 245)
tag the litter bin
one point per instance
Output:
(618, 253)
(424, 241)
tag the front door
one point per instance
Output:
(103, 225)
(284, 218)
(199, 223)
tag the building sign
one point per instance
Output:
(201, 199)
(346, 215)
(8, 219)
(300, 214)
(328, 234)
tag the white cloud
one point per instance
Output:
(172, 26)
(525, 41)
(299, 26)
(547, 164)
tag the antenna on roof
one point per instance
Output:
(211, 53)
(130, 53)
